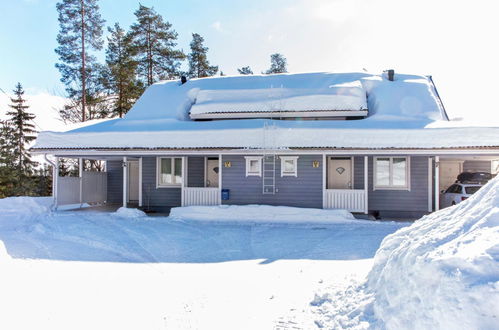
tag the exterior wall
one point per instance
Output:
(157, 199)
(114, 170)
(412, 203)
(195, 172)
(358, 172)
(476, 166)
(302, 191)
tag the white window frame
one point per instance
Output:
(248, 161)
(158, 173)
(295, 165)
(390, 186)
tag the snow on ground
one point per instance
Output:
(440, 273)
(262, 214)
(83, 269)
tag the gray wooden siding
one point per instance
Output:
(158, 199)
(302, 191)
(114, 170)
(358, 173)
(476, 166)
(195, 171)
(413, 201)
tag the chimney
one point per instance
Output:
(391, 74)
(183, 79)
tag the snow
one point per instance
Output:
(261, 214)
(124, 212)
(84, 270)
(335, 97)
(401, 113)
(440, 273)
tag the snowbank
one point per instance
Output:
(443, 271)
(124, 212)
(261, 214)
(27, 206)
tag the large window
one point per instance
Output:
(391, 173)
(169, 172)
(289, 166)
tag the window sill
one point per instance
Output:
(169, 186)
(392, 188)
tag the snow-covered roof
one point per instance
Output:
(344, 97)
(400, 114)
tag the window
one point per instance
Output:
(169, 172)
(391, 173)
(253, 166)
(289, 166)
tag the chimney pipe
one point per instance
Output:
(391, 74)
(183, 79)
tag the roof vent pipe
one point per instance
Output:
(183, 79)
(391, 74)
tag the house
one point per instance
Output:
(368, 143)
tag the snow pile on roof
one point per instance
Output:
(443, 271)
(261, 214)
(399, 113)
(347, 96)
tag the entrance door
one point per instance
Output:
(448, 171)
(212, 170)
(133, 181)
(339, 173)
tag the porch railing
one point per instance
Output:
(200, 196)
(352, 200)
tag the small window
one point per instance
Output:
(391, 173)
(253, 166)
(289, 166)
(169, 172)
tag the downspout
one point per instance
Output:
(55, 174)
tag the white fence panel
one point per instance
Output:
(200, 196)
(352, 200)
(94, 187)
(68, 190)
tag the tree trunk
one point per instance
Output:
(83, 71)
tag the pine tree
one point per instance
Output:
(119, 76)
(80, 31)
(7, 164)
(23, 133)
(153, 42)
(278, 64)
(199, 66)
(245, 70)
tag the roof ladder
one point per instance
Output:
(269, 160)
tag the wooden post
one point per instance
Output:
(437, 183)
(80, 175)
(182, 190)
(55, 181)
(140, 182)
(324, 174)
(366, 184)
(220, 179)
(125, 175)
(430, 177)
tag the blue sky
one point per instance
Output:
(453, 40)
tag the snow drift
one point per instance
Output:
(261, 214)
(443, 271)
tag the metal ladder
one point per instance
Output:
(269, 146)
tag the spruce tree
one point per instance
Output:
(278, 64)
(153, 42)
(245, 70)
(23, 133)
(80, 31)
(199, 66)
(119, 76)
(7, 165)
